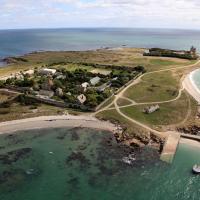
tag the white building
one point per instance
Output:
(85, 85)
(151, 109)
(46, 71)
(29, 72)
(95, 80)
(82, 98)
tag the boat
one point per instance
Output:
(196, 169)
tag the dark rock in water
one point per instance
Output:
(62, 136)
(14, 139)
(106, 171)
(75, 136)
(14, 156)
(13, 177)
(78, 156)
(73, 181)
(82, 147)
(2, 147)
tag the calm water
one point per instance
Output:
(84, 164)
(196, 78)
(17, 42)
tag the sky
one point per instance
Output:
(16, 14)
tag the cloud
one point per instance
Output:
(94, 13)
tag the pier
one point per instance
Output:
(170, 147)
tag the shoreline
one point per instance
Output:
(190, 142)
(62, 121)
(190, 86)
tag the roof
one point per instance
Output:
(82, 98)
(95, 80)
(84, 85)
(47, 71)
(29, 72)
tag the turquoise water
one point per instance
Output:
(196, 78)
(18, 42)
(85, 164)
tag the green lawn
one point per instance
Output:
(154, 87)
(169, 113)
(123, 102)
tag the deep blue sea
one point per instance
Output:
(18, 42)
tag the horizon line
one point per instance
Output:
(159, 28)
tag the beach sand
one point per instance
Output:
(56, 122)
(190, 87)
(190, 142)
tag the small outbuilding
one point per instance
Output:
(95, 80)
(46, 71)
(29, 72)
(85, 86)
(151, 109)
(82, 98)
(59, 92)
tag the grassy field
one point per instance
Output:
(18, 111)
(128, 56)
(169, 113)
(160, 86)
(107, 102)
(123, 102)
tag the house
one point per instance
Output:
(59, 92)
(19, 76)
(46, 71)
(29, 72)
(85, 85)
(95, 80)
(61, 77)
(69, 93)
(82, 98)
(151, 109)
(46, 93)
(103, 87)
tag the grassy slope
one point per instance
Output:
(154, 87)
(169, 113)
(123, 102)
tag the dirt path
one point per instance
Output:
(137, 81)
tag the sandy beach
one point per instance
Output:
(56, 122)
(190, 142)
(191, 88)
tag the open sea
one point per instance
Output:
(86, 164)
(18, 42)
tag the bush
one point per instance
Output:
(4, 111)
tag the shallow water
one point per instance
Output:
(18, 42)
(196, 78)
(60, 164)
